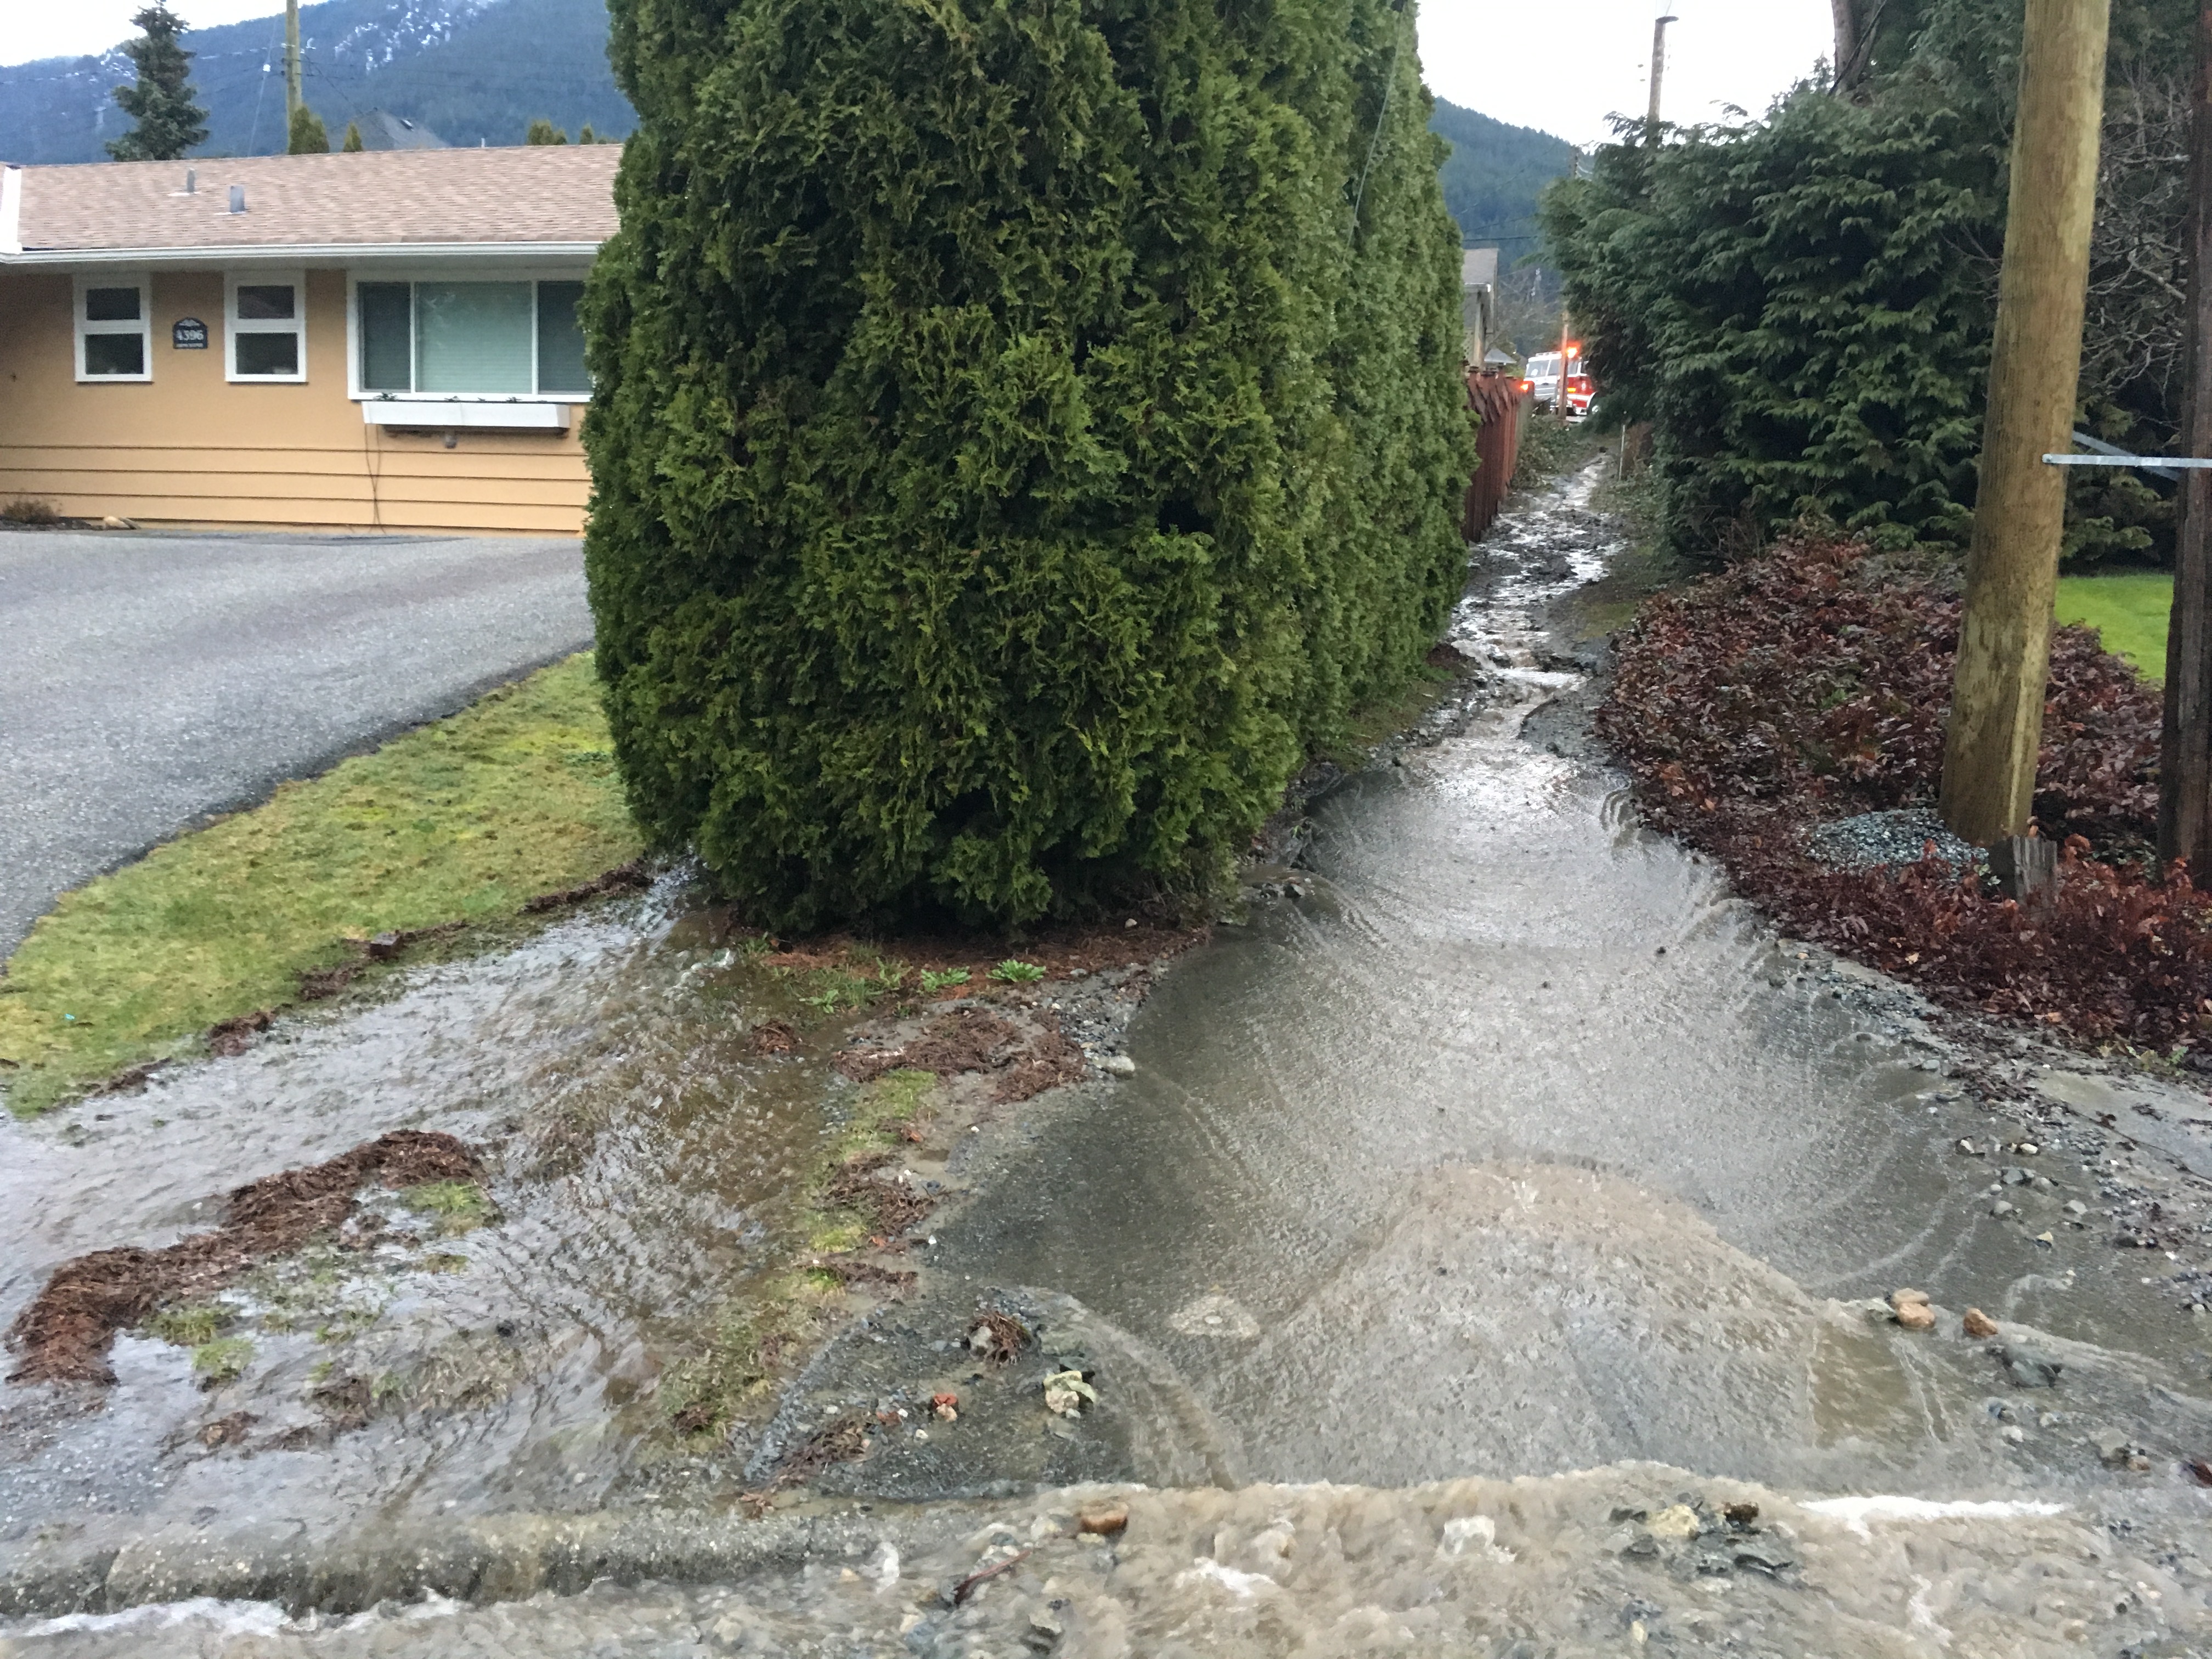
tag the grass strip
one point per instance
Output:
(2129, 612)
(461, 820)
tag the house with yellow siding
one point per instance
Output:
(385, 340)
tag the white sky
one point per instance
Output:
(1509, 58)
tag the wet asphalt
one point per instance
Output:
(149, 680)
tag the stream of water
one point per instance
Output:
(1507, 1145)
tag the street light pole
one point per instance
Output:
(1658, 74)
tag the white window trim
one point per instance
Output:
(234, 325)
(143, 328)
(533, 274)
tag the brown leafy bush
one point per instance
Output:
(1812, 683)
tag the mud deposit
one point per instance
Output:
(1484, 1244)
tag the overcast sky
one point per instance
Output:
(1563, 65)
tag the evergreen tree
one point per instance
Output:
(542, 131)
(353, 146)
(1803, 305)
(168, 119)
(588, 136)
(1022, 433)
(307, 136)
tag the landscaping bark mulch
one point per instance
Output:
(64, 1335)
(1812, 683)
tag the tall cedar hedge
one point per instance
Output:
(1803, 305)
(1021, 430)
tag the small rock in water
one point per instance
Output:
(2029, 1370)
(1679, 1521)
(1912, 1310)
(1120, 1065)
(1980, 1324)
(1106, 1520)
(1967, 1149)
(2076, 1207)
(2001, 1209)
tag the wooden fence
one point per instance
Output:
(1501, 406)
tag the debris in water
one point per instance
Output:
(774, 1037)
(632, 874)
(1912, 1310)
(64, 1335)
(1065, 1392)
(996, 1336)
(229, 1431)
(1980, 1324)
(892, 1206)
(946, 1406)
(975, 1580)
(229, 1037)
(1679, 1522)
(844, 1441)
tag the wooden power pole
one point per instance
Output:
(291, 62)
(2185, 773)
(2012, 566)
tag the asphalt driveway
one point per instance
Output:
(148, 680)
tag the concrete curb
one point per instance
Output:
(490, 1559)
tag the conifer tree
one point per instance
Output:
(587, 135)
(1023, 433)
(353, 146)
(168, 118)
(307, 136)
(542, 131)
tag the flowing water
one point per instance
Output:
(1506, 1145)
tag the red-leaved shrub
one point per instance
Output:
(1810, 684)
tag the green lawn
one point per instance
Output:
(457, 821)
(2128, 610)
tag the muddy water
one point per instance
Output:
(1516, 1145)
(643, 1163)
(1508, 1145)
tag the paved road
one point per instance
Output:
(148, 680)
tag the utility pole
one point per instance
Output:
(1658, 74)
(2185, 771)
(2012, 567)
(291, 62)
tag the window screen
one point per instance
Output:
(388, 336)
(560, 338)
(472, 336)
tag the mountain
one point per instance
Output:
(1493, 176)
(469, 70)
(473, 70)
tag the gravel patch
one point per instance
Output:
(1873, 840)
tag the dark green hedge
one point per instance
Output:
(1803, 305)
(1010, 450)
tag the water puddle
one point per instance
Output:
(456, 1346)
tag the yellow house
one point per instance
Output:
(380, 341)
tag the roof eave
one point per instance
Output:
(58, 258)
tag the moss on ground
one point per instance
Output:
(461, 820)
(454, 1206)
(2129, 612)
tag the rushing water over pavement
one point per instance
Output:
(1515, 1148)
(1511, 1146)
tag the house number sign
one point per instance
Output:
(189, 334)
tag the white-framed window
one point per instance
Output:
(465, 338)
(264, 316)
(114, 328)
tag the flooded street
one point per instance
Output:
(1481, 1257)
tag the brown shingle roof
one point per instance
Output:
(533, 194)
